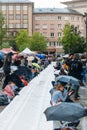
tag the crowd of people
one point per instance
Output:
(62, 91)
(18, 72)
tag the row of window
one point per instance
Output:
(14, 7)
(52, 34)
(17, 25)
(17, 17)
(52, 26)
(54, 44)
(44, 26)
(66, 18)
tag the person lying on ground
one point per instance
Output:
(60, 95)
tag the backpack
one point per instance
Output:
(74, 66)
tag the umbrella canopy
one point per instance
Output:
(66, 56)
(24, 71)
(41, 56)
(65, 112)
(8, 50)
(1, 55)
(68, 79)
(36, 65)
(27, 51)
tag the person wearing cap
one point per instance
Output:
(60, 94)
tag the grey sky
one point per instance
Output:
(48, 3)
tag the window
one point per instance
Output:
(59, 44)
(51, 26)
(45, 34)
(44, 26)
(25, 25)
(59, 17)
(25, 7)
(59, 34)
(51, 34)
(72, 18)
(52, 44)
(17, 7)
(78, 19)
(37, 26)
(17, 25)
(4, 16)
(51, 17)
(18, 16)
(66, 18)
(3, 7)
(59, 26)
(11, 8)
(11, 33)
(44, 18)
(25, 16)
(11, 25)
(37, 18)
(11, 17)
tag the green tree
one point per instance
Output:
(11, 41)
(6, 45)
(22, 40)
(3, 29)
(38, 42)
(71, 40)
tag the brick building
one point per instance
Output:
(48, 21)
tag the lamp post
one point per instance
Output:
(71, 31)
(86, 33)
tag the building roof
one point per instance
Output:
(15, 1)
(55, 10)
(73, 1)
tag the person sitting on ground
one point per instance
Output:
(60, 95)
(10, 90)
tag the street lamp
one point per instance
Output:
(86, 32)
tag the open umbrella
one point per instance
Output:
(36, 65)
(65, 112)
(41, 56)
(1, 55)
(68, 79)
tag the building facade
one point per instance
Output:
(48, 21)
(18, 15)
(79, 5)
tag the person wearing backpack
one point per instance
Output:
(75, 70)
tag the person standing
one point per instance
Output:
(75, 70)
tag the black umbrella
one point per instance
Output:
(65, 112)
(25, 71)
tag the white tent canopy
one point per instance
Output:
(27, 51)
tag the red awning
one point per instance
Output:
(8, 50)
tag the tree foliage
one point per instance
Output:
(38, 42)
(71, 40)
(22, 40)
(3, 29)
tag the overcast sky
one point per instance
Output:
(48, 3)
